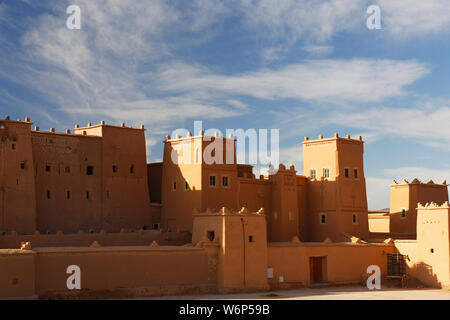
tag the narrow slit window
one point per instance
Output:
(225, 181)
(88, 195)
(68, 195)
(48, 194)
(114, 169)
(212, 181)
(355, 173)
(346, 172)
(132, 169)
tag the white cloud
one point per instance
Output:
(308, 20)
(426, 123)
(412, 18)
(100, 70)
(316, 80)
(422, 173)
(317, 50)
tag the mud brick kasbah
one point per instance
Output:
(88, 197)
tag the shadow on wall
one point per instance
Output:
(124, 238)
(424, 272)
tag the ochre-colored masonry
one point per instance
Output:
(87, 197)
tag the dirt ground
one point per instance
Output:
(332, 293)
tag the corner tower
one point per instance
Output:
(337, 200)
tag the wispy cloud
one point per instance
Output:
(315, 80)
(426, 123)
(413, 18)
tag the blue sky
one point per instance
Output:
(306, 67)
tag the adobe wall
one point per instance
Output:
(406, 195)
(17, 276)
(141, 271)
(379, 222)
(60, 164)
(345, 262)
(17, 180)
(105, 239)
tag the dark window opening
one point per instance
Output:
(132, 169)
(88, 195)
(156, 226)
(225, 181)
(210, 235)
(17, 181)
(186, 185)
(67, 169)
(212, 181)
(250, 238)
(174, 185)
(354, 218)
(432, 250)
(22, 165)
(114, 169)
(89, 170)
(347, 174)
(47, 168)
(355, 173)
(13, 146)
(323, 218)
(403, 213)
(48, 194)
(68, 195)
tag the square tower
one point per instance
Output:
(336, 195)
(199, 172)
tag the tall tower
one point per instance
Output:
(17, 193)
(337, 200)
(124, 184)
(198, 173)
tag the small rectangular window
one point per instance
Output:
(89, 170)
(250, 239)
(354, 219)
(13, 146)
(174, 185)
(312, 174)
(22, 165)
(68, 195)
(186, 185)
(224, 181)
(48, 194)
(347, 174)
(114, 169)
(132, 169)
(323, 218)
(47, 168)
(67, 169)
(403, 213)
(212, 181)
(355, 173)
(210, 235)
(326, 173)
(88, 195)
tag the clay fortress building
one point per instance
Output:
(88, 198)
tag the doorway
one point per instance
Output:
(318, 269)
